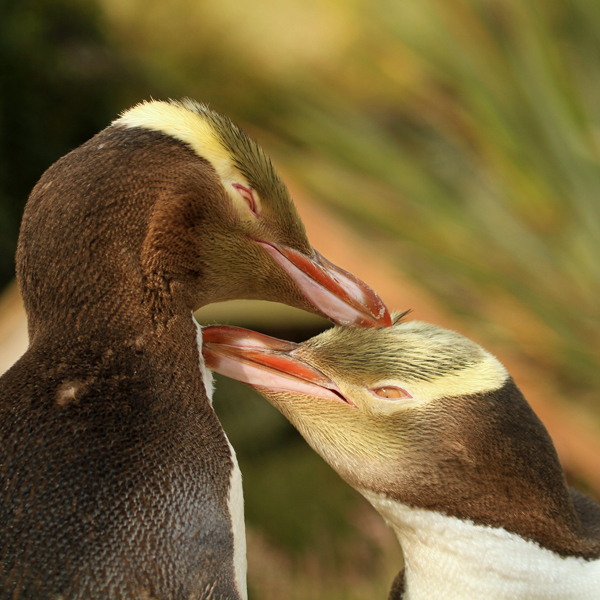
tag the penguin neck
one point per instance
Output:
(451, 558)
(128, 316)
(101, 244)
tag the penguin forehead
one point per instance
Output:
(433, 362)
(213, 137)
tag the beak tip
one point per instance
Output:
(386, 318)
(333, 292)
(380, 321)
(376, 313)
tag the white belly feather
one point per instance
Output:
(450, 559)
(235, 500)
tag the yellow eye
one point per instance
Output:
(390, 392)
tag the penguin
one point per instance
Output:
(116, 478)
(431, 429)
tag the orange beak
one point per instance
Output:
(264, 362)
(337, 294)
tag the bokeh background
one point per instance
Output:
(447, 151)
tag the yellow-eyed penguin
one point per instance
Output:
(116, 478)
(433, 431)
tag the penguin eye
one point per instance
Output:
(248, 195)
(390, 392)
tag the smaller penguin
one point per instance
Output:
(433, 431)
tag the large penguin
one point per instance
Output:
(116, 479)
(433, 431)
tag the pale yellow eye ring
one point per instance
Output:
(390, 392)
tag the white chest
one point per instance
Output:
(450, 559)
(235, 500)
(207, 375)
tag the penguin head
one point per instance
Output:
(174, 201)
(366, 401)
(412, 413)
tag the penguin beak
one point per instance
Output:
(265, 362)
(335, 293)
